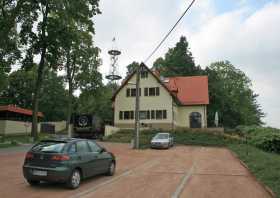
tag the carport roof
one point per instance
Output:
(15, 109)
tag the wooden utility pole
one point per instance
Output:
(136, 135)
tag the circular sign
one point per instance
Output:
(83, 121)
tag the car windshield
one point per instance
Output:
(49, 147)
(161, 136)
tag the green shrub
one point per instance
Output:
(265, 138)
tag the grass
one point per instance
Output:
(265, 166)
(15, 140)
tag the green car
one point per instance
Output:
(67, 160)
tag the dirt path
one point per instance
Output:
(194, 172)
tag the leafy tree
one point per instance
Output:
(98, 102)
(79, 58)
(131, 67)
(53, 102)
(3, 81)
(39, 23)
(178, 61)
(231, 95)
(53, 94)
(9, 52)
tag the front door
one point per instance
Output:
(195, 120)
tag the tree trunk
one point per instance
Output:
(40, 72)
(69, 109)
(70, 93)
(38, 85)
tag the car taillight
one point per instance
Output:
(60, 157)
(29, 156)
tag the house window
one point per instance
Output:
(128, 92)
(144, 74)
(143, 115)
(146, 91)
(158, 114)
(164, 114)
(152, 91)
(126, 115)
(152, 114)
(157, 91)
(131, 115)
(161, 114)
(121, 115)
(148, 114)
(131, 92)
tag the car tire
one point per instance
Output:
(33, 182)
(111, 169)
(74, 180)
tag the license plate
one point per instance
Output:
(39, 173)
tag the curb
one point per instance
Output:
(267, 189)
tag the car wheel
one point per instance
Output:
(112, 169)
(75, 179)
(33, 182)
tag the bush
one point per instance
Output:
(265, 138)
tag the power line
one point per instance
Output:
(165, 37)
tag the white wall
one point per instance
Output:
(8, 127)
(182, 115)
(161, 102)
(110, 130)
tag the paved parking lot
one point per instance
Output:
(183, 171)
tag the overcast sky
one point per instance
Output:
(245, 32)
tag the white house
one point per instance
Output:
(169, 103)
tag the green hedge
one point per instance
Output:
(265, 138)
(180, 137)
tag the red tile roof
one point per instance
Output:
(19, 110)
(190, 90)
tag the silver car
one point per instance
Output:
(162, 140)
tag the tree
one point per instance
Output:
(53, 98)
(178, 61)
(9, 52)
(131, 67)
(53, 102)
(231, 95)
(39, 24)
(98, 103)
(79, 58)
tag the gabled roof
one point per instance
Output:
(15, 109)
(190, 90)
(185, 90)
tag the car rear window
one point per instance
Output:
(49, 147)
(161, 136)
